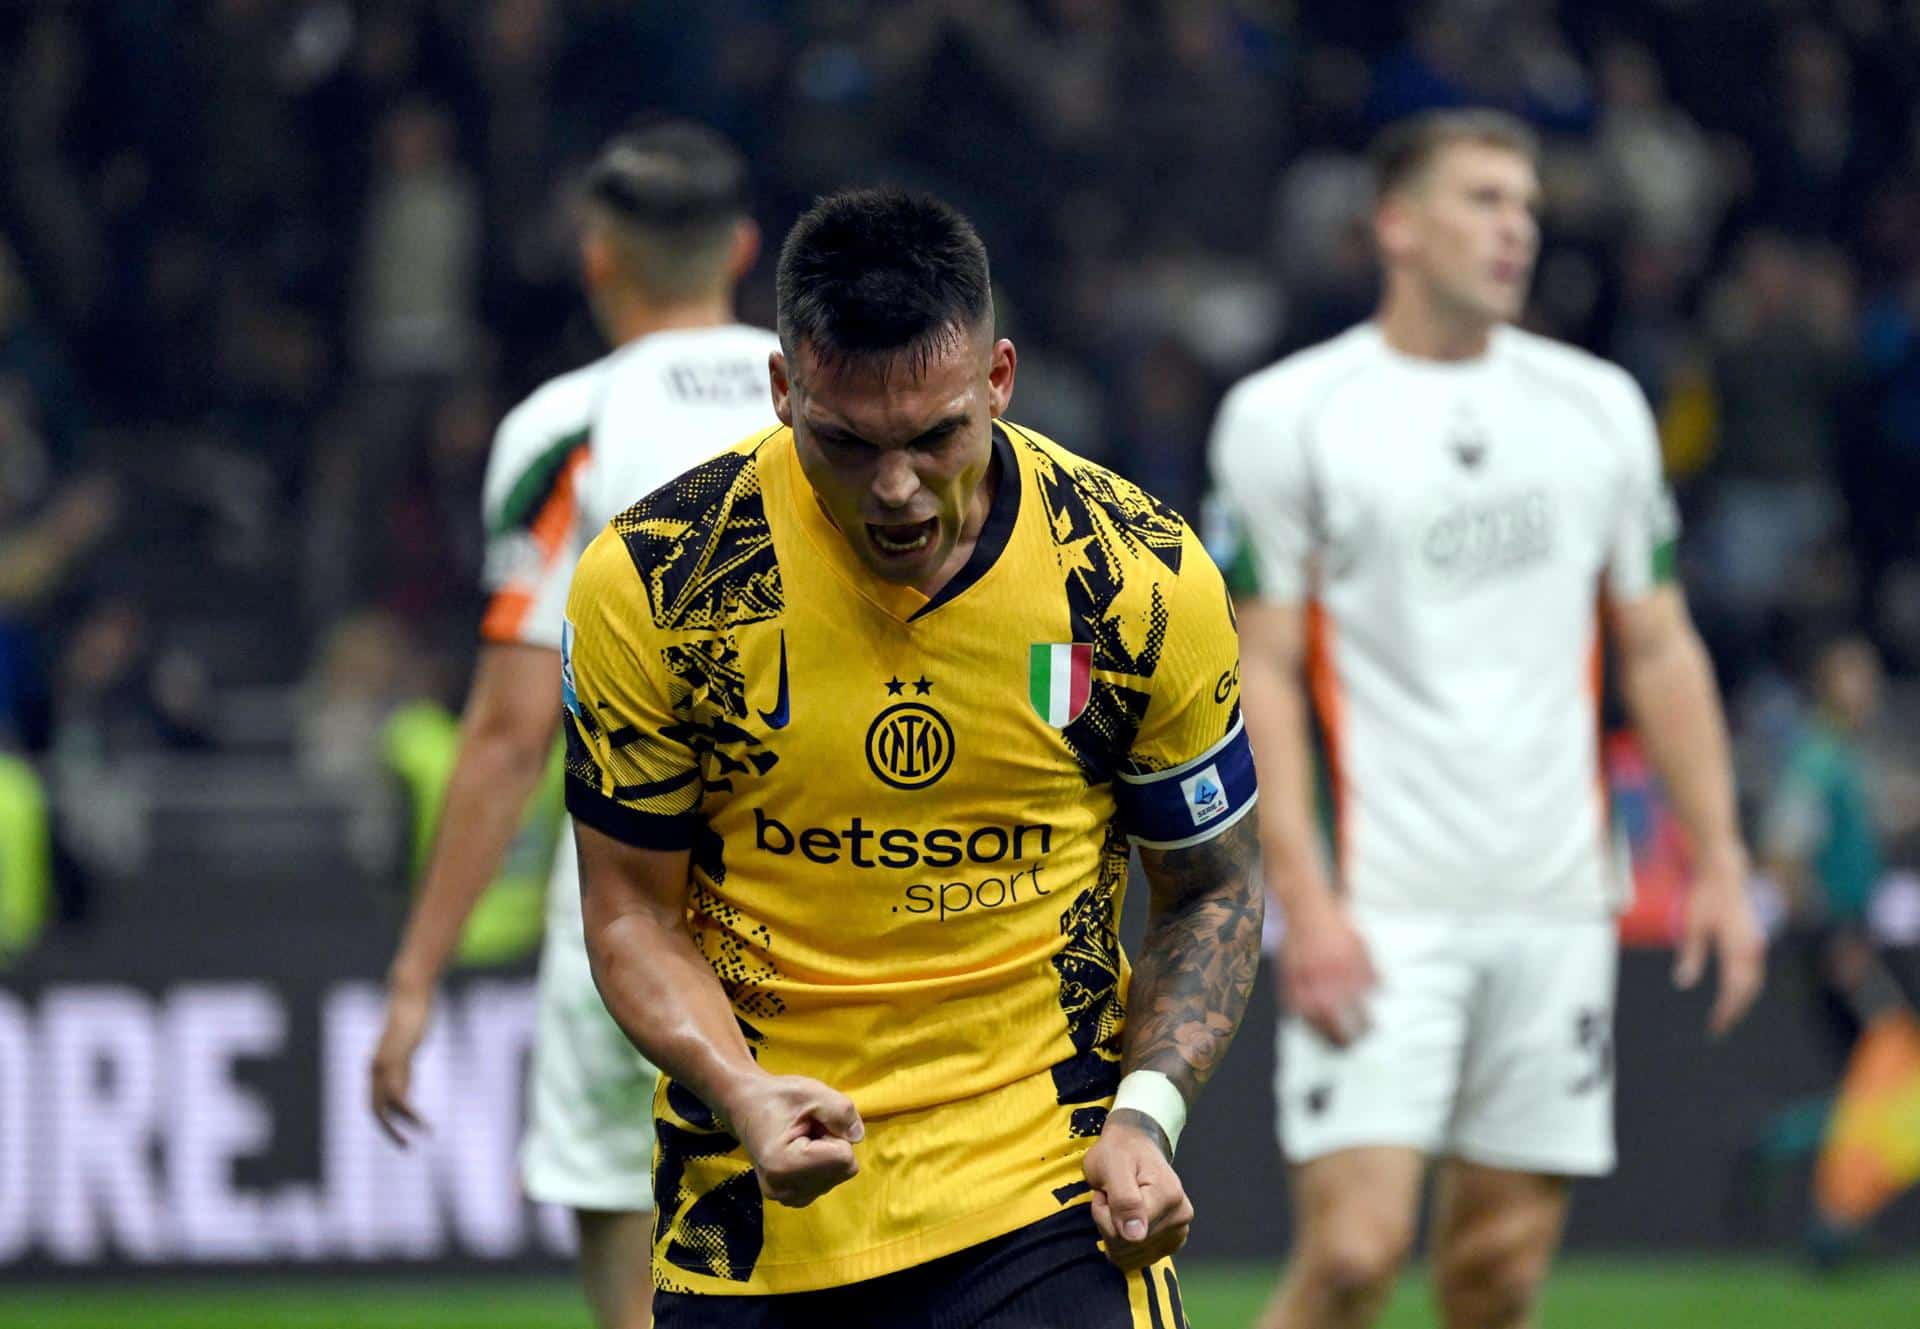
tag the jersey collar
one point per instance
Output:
(906, 602)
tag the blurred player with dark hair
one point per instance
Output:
(665, 237)
(863, 716)
(1436, 511)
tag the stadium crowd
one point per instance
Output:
(270, 271)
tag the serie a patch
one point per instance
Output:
(568, 695)
(1206, 795)
(1193, 801)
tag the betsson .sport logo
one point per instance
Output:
(1008, 860)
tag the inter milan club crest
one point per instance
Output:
(909, 744)
(1059, 680)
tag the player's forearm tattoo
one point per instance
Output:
(1199, 958)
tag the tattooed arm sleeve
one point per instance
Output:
(1197, 964)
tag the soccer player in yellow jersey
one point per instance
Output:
(863, 718)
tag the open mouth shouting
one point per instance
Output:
(902, 539)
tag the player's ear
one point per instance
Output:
(597, 261)
(1000, 376)
(745, 250)
(782, 388)
(1392, 231)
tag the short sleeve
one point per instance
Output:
(631, 773)
(1260, 518)
(1190, 774)
(1645, 523)
(531, 507)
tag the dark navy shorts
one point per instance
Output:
(1051, 1275)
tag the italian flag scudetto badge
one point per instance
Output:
(1059, 680)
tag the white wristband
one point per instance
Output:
(1153, 1095)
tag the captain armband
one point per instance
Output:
(1190, 803)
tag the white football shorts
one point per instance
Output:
(1489, 1039)
(589, 1140)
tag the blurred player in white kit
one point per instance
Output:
(1434, 516)
(666, 237)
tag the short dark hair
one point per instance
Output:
(670, 175)
(877, 273)
(1407, 147)
(671, 194)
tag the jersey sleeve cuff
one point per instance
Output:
(1190, 803)
(516, 617)
(642, 830)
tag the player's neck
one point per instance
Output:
(626, 321)
(1415, 328)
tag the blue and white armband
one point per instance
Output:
(1193, 802)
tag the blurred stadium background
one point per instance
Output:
(270, 271)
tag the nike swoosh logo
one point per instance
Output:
(777, 717)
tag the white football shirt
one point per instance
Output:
(586, 446)
(1452, 529)
(531, 506)
(672, 401)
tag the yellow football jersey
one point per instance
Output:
(909, 821)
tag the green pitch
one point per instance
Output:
(1584, 1295)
